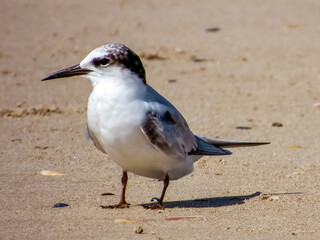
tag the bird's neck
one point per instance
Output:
(120, 87)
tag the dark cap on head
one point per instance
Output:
(119, 54)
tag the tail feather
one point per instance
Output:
(206, 148)
(228, 143)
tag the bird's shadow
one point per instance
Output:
(207, 202)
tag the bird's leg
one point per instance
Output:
(159, 205)
(122, 203)
(165, 186)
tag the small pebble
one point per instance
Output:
(213, 29)
(243, 127)
(277, 124)
(274, 197)
(241, 59)
(138, 230)
(154, 199)
(59, 205)
(19, 104)
(107, 194)
(195, 59)
(171, 80)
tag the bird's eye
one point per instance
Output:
(104, 62)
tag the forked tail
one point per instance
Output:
(214, 146)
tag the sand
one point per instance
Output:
(223, 64)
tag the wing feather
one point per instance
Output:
(169, 133)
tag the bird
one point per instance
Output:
(137, 127)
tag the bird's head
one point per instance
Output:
(107, 61)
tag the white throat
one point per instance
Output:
(118, 84)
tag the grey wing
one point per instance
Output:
(168, 132)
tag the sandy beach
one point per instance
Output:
(246, 70)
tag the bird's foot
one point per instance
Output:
(157, 206)
(119, 205)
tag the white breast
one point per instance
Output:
(115, 114)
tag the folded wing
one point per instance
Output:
(168, 132)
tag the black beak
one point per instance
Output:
(68, 72)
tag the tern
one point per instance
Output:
(136, 126)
